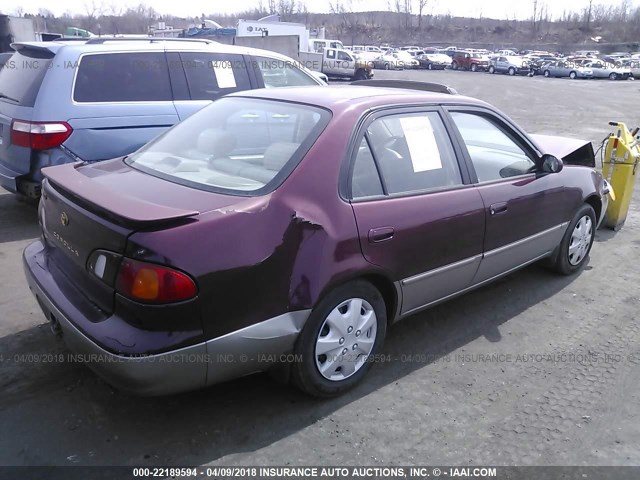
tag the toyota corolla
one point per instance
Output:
(299, 221)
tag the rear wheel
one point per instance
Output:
(474, 67)
(430, 66)
(573, 75)
(547, 73)
(492, 69)
(577, 241)
(344, 330)
(613, 76)
(511, 71)
(454, 65)
(361, 75)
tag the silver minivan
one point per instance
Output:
(68, 101)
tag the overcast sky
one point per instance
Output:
(188, 8)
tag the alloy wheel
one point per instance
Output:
(346, 339)
(580, 240)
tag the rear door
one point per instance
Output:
(525, 218)
(199, 77)
(417, 216)
(121, 100)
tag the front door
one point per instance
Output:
(417, 216)
(523, 218)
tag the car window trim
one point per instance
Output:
(507, 126)
(137, 102)
(346, 170)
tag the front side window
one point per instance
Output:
(494, 154)
(282, 73)
(123, 77)
(412, 152)
(344, 56)
(235, 145)
(211, 75)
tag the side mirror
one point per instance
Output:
(551, 164)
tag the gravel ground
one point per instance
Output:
(535, 369)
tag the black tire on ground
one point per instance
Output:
(492, 69)
(547, 73)
(562, 261)
(361, 75)
(305, 373)
(386, 66)
(573, 75)
(454, 65)
(613, 76)
(474, 67)
(511, 71)
(429, 66)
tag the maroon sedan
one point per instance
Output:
(289, 227)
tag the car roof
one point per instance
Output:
(153, 44)
(341, 97)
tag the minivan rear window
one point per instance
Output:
(21, 76)
(123, 77)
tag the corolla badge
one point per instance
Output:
(64, 219)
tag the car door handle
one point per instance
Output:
(380, 234)
(498, 208)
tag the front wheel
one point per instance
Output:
(430, 66)
(343, 333)
(573, 75)
(577, 241)
(474, 67)
(511, 71)
(547, 73)
(613, 76)
(492, 69)
(454, 65)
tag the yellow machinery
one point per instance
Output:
(619, 165)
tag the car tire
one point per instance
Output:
(573, 75)
(429, 66)
(547, 73)
(631, 77)
(576, 244)
(361, 75)
(613, 76)
(492, 69)
(386, 66)
(474, 67)
(454, 66)
(511, 71)
(330, 317)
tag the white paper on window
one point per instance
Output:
(422, 144)
(224, 74)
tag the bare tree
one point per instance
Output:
(422, 4)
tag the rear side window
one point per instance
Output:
(280, 73)
(21, 76)
(413, 153)
(123, 77)
(211, 75)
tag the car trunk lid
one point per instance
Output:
(88, 210)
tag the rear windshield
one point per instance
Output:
(241, 146)
(21, 76)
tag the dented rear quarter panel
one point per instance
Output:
(260, 256)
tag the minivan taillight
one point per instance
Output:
(39, 135)
(153, 283)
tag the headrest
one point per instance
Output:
(277, 154)
(216, 142)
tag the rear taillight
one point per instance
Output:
(152, 283)
(39, 135)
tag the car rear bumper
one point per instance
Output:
(249, 350)
(9, 178)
